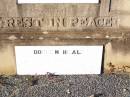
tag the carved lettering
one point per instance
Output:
(91, 22)
(74, 22)
(108, 22)
(103, 22)
(11, 22)
(27, 22)
(18, 22)
(38, 22)
(58, 22)
(84, 22)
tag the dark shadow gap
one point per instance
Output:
(110, 6)
(103, 55)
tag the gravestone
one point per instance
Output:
(105, 23)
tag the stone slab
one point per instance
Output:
(106, 23)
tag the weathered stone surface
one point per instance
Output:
(123, 6)
(105, 24)
(7, 60)
(117, 58)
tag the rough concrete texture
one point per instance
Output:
(7, 60)
(65, 86)
(119, 61)
(66, 24)
(123, 6)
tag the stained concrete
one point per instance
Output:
(105, 24)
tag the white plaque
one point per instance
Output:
(61, 60)
(58, 1)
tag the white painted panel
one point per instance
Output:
(58, 1)
(61, 60)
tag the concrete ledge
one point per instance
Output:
(117, 57)
(7, 60)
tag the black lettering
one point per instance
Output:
(56, 51)
(64, 51)
(37, 52)
(76, 52)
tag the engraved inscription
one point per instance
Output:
(16, 22)
(58, 22)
